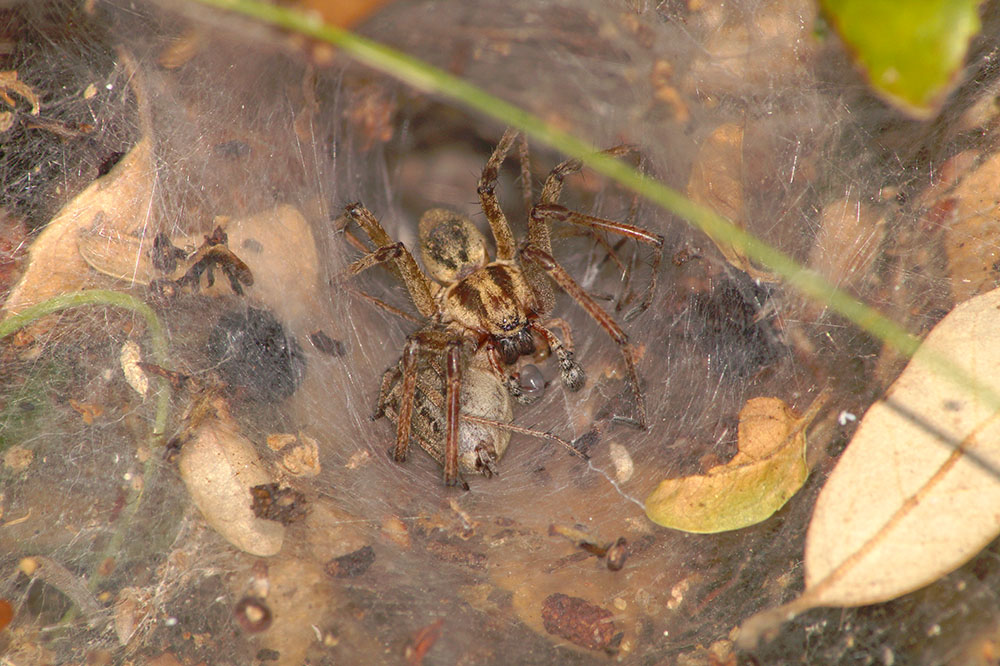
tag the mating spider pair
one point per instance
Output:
(482, 316)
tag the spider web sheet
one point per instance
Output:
(739, 104)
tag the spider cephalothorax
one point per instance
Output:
(482, 315)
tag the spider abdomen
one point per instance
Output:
(483, 396)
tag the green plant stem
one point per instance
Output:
(430, 79)
(158, 341)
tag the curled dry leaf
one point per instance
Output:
(219, 467)
(302, 460)
(915, 493)
(716, 181)
(973, 234)
(769, 468)
(279, 440)
(9, 83)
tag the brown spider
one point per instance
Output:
(482, 315)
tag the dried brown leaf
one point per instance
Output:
(848, 241)
(130, 358)
(915, 494)
(972, 237)
(716, 181)
(117, 202)
(87, 410)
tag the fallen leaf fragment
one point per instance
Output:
(580, 622)
(279, 440)
(17, 458)
(716, 181)
(972, 229)
(421, 642)
(303, 459)
(87, 410)
(219, 466)
(352, 564)
(117, 202)
(769, 468)
(9, 83)
(6, 613)
(915, 494)
(133, 614)
(847, 244)
(130, 358)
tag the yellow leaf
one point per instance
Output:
(768, 469)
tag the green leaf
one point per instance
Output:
(769, 468)
(912, 51)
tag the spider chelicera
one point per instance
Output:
(481, 316)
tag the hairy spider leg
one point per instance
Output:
(453, 379)
(526, 189)
(544, 213)
(571, 372)
(502, 234)
(527, 431)
(387, 250)
(391, 309)
(552, 189)
(606, 321)
(539, 233)
(403, 418)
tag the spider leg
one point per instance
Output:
(510, 381)
(564, 328)
(606, 321)
(389, 377)
(382, 304)
(387, 250)
(544, 213)
(406, 400)
(234, 269)
(554, 182)
(570, 372)
(487, 196)
(454, 392)
(525, 157)
(500, 425)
